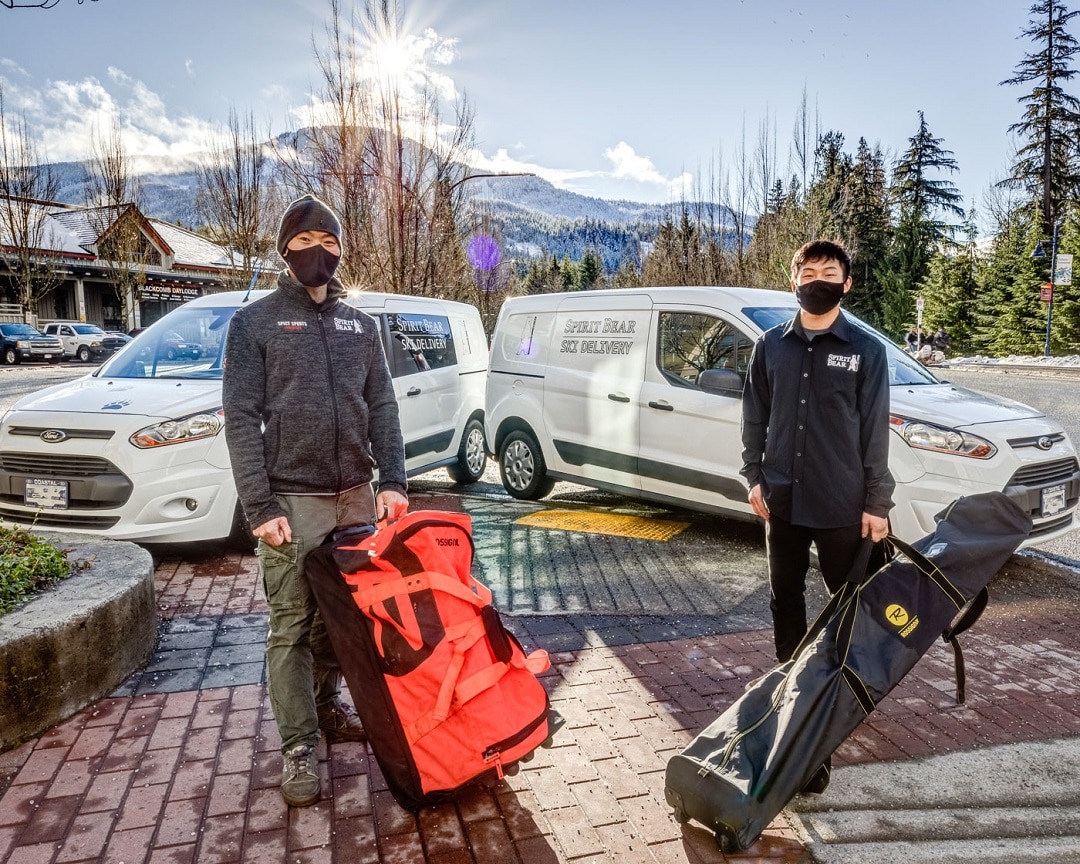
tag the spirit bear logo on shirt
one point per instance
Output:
(845, 361)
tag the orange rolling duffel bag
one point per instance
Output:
(445, 692)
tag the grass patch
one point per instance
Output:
(28, 565)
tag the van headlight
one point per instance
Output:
(205, 424)
(941, 439)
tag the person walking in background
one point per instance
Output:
(310, 411)
(940, 341)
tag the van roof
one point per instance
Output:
(360, 298)
(671, 294)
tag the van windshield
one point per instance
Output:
(904, 370)
(187, 343)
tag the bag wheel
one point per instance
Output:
(512, 769)
(528, 757)
(680, 815)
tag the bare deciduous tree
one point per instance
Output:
(383, 154)
(27, 189)
(113, 194)
(237, 198)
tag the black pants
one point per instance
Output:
(788, 548)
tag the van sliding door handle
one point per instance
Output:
(618, 397)
(662, 406)
(415, 391)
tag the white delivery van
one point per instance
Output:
(639, 391)
(136, 450)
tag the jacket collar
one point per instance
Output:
(297, 293)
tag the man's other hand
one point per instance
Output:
(875, 527)
(276, 532)
(390, 504)
(757, 502)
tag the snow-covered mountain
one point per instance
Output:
(532, 216)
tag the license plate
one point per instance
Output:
(46, 494)
(48, 356)
(1053, 500)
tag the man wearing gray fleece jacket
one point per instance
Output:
(310, 412)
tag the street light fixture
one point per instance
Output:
(1039, 254)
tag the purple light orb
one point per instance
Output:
(483, 252)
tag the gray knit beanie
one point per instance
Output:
(306, 214)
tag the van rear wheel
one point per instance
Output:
(472, 457)
(522, 468)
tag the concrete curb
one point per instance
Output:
(74, 644)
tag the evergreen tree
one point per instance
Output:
(1046, 160)
(920, 231)
(867, 230)
(590, 271)
(949, 291)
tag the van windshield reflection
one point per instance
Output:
(189, 343)
(904, 370)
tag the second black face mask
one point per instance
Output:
(819, 296)
(314, 266)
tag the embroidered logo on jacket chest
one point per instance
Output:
(349, 325)
(845, 361)
(292, 326)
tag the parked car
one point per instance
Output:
(136, 450)
(639, 391)
(19, 342)
(83, 342)
(173, 346)
(123, 337)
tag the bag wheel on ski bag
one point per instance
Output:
(743, 769)
(445, 693)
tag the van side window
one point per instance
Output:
(691, 342)
(419, 342)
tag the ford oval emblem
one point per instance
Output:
(53, 436)
(1045, 443)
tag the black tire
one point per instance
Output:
(11, 357)
(83, 354)
(240, 538)
(472, 455)
(522, 467)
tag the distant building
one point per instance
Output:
(175, 265)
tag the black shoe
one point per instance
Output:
(819, 782)
(338, 722)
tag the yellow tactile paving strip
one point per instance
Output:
(615, 524)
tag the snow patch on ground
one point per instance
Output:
(1071, 361)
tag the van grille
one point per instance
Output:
(56, 519)
(56, 465)
(1045, 473)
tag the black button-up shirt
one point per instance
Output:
(815, 424)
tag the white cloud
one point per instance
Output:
(628, 165)
(63, 115)
(189, 67)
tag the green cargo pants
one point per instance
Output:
(300, 663)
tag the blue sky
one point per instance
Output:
(612, 98)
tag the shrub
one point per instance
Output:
(28, 565)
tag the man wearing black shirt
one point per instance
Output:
(815, 429)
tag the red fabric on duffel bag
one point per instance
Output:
(445, 693)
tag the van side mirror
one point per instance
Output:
(722, 382)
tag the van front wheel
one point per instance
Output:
(521, 465)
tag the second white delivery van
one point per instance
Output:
(639, 391)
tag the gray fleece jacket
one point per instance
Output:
(308, 399)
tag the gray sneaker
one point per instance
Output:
(300, 785)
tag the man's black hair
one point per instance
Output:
(821, 250)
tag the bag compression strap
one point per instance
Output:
(970, 610)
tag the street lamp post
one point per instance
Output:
(1038, 253)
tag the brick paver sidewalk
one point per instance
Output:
(183, 764)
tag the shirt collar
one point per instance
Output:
(298, 293)
(840, 328)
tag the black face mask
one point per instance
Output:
(819, 296)
(313, 267)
